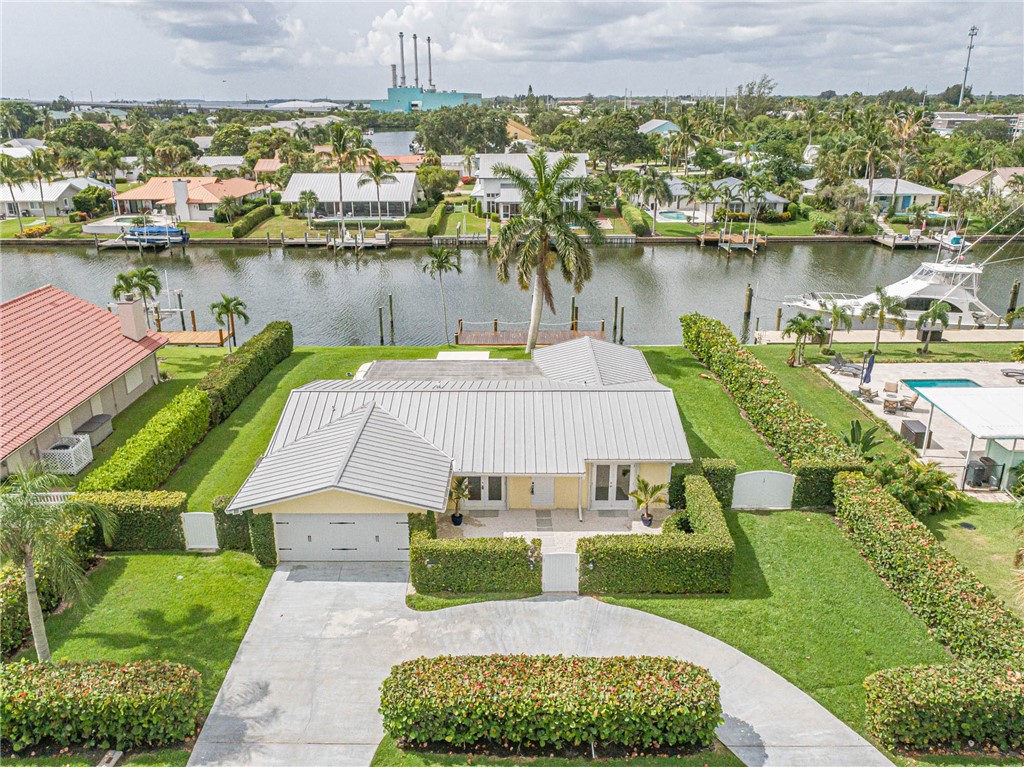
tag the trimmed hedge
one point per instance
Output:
(815, 480)
(261, 537)
(147, 459)
(232, 529)
(425, 521)
(238, 373)
(948, 706)
(635, 218)
(436, 222)
(550, 702)
(469, 565)
(251, 220)
(146, 521)
(693, 555)
(98, 704)
(957, 608)
(721, 474)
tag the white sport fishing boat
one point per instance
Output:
(949, 280)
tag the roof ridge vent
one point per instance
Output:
(352, 445)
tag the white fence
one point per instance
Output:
(560, 573)
(763, 490)
(68, 455)
(200, 531)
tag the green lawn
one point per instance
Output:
(161, 758)
(618, 225)
(428, 602)
(61, 227)
(946, 351)
(987, 550)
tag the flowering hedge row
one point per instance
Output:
(543, 701)
(98, 704)
(948, 706)
(468, 565)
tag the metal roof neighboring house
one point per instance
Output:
(679, 188)
(25, 143)
(485, 163)
(586, 361)
(221, 160)
(969, 178)
(325, 185)
(658, 126)
(366, 451)
(882, 186)
(58, 351)
(52, 191)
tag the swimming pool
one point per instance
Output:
(672, 215)
(939, 383)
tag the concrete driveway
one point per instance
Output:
(303, 687)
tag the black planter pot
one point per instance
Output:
(456, 519)
(646, 520)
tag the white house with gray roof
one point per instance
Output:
(498, 195)
(54, 198)
(907, 193)
(739, 201)
(396, 198)
(573, 428)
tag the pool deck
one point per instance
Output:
(867, 336)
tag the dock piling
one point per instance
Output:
(391, 314)
(748, 299)
(572, 309)
(181, 311)
(193, 313)
(615, 318)
(1014, 292)
(380, 323)
(622, 323)
(778, 320)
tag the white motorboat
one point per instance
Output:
(952, 242)
(951, 281)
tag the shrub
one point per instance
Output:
(694, 553)
(232, 529)
(35, 232)
(815, 480)
(77, 217)
(721, 475)
(238, 374)
(795, 211)
(275, 198)
(261, 537)
(958, 609)
(635, 218)
(251, 220)
(677, 488)
(820, 224)
(98, 704)
(772, 411)
(468, 565)
(146, 521)
(436, 222)
(93, 200)
(149, 457)
(951, 706)
(923, 488)
(425, 521)
(246, 206)
(550, 702)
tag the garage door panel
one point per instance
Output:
(342, 537)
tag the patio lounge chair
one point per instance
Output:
(867, 393)
(907, 403)
(1012, 373)
(843, 366)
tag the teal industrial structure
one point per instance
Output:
(419, 100)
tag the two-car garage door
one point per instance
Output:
(342, 537)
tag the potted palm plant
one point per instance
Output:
(457, 493)
(646, 494)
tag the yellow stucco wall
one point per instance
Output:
(336, 502)
(656, 474)
(565, 493)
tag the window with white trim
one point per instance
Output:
(133, 378)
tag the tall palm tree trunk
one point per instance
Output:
(380, 220)
(17, 209)
(878, 330)
(341, 205)
(42, 203)
(535, 311)
(654, 218)
(35, 610)
(444, 308)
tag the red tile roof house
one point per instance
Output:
(65, 364)
(189, 198)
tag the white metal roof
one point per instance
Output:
(325, 185)
(881, 186)
(364, 451)
(52, 190)
(589, 361)
(213, 160)
(486, 163)
(987, 412)
(652, 125)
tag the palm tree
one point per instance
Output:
(96, 162)
(42, 167)
(686, 139)
(229, 207)
(124, 285)
(646, 494)
(143, 282)
(348, 148)
(378, 171)
(904, 126)
(13, 172)
(440, 261)
(9, 122)
(70, 158)
(804, 328)
(885, 308)
(937, 312)
(225, 311)
(308, 200)
(838, 315)
(650, 185)
(542, 235)
(31, 532)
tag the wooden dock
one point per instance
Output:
(732, 242)
(195, 337)
(493, 335)
(120, 243)
(896, 241)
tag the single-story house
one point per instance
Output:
(396, 198)
(55, 198)
(190, 198)
(69, 366)
(573, 428)
(455, 162)
(267, 166)
(203, 142)
(739, 203)
(215, 162)
(944, 123)
(907, 193)
(658, 128)
(998, 181)
(20, 148)
(498, 195)
(130, 168)
(293, 126)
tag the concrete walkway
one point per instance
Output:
(303, 688)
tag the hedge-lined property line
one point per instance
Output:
(543, 701)
(635, 218)
(693, 555)
(98, 704)
(473, 565)
(251, 220)
(435, 225)
(146, 521)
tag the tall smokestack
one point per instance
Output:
(401, 51)
(415, 60)
(430, 66)
(394, 75)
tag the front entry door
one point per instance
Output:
(542, 492)
(610, 486)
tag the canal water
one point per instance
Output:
(333, 300)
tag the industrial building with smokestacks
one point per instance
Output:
(405, 98)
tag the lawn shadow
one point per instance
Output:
(665, 367)
(748, 581)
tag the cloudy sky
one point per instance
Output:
(232, 50)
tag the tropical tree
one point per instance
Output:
(651, 186)
(804, 328)
(862, 440)
(225, 311)
(70, 158)
(904, 126)
(542, 236)
(937, 313)
(885, 308)
(378, 171)
(439, 262)
(838, 314)
(347, 148)
(13, 172)
(308, 200)
(229, 207)
(33, 533)
(143, 282)
(685, 140)
(42, 167)
(647, 493)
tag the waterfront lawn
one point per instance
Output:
(62, 228)
(907, 351)
(988, 549)
(618, 225)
